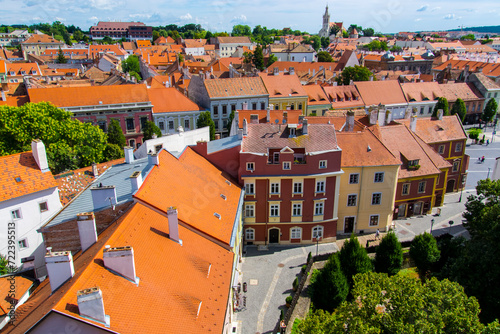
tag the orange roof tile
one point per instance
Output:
(247, 86)
(18, 68)
(337, 121)
(316, 95)
(91, 95)
(195, 187)
(182, 289)
(282, 85)
(143, 43)
(236, 40)
(15, 101)
(41, 39)
(433, 130)
(344, 96)
(421, 91)
(386, 92)
(170, 100)
(465, 91)
(488, 69)
(20, 175)
(94, 50)
(21, 286)
(292, 116)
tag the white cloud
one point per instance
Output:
(423, 8)
(435, 8)
(449, 17)
(93, 19)
(417, 19)
(147, 16)
(186, 17)
(239, 19)
(104, 4)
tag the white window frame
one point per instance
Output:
(355, 199)
(250, 166)
(379, 177)
(249, 210)
(370, 221)
(299, 185)
(458, 147)
(25, 242)
(319, 230)
(249, 188)
(319, 208)
(274, 210)
(296, 209)
(249, 234)
(421, 189)
(322, 164)
(456, 166)
(287, 165)
(403, 193)
(354, 178)
(296, 233)
(46, 206)
(441, 149)
(380, 198)
(320, 186)
(18, 215)
(274, 188)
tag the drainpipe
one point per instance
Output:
(359, 199)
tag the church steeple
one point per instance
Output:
(325, 30)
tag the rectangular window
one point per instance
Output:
(130, 124)
(216, 111)
(170, 125)
(249, 189)
(16, 214)
(143, 122)
(379, 177)
(376, 198)
(318, 208)
(286, 165)
(254, 106)
(224, 111)
(275, 188)
(297, 209)
(43, 206)
(413, 162)
(250, 166)
(456, 165)
(296, 233)
(353, 178)
(249, 234)
(320, 186)
(23, 243)
(406, 189)
(274, 210)
(322, 164)
(249, 210)
(276, 158)
(422, 110)
(441, 149)
(262, 106)
(374, 220)
(297, 187)
(233, 107)
(186, 124)
(458, 147)
(421, 187)
(352, 200)
(161, 125)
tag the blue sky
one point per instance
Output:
(221, 15)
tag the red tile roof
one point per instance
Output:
(283, 85)
(9, 292)
(421, 91)
(41, 39)
(292, 116)
(248, 86)
(316, 95)
(94, 50)
(20, 175)
(92, 95)
(433, 130)
(465, 91)
(143, 43)
(375, 92)
(488, 69)
(343, 97)
(170, 100)
(195, 187)
(234, 40)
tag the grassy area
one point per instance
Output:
(295, 326)
(409, 272)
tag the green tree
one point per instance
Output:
(131, 65)
(149, 129)
(334, 30)
(459, 108)
(424, 252)
(442, 103)
(368, 32)
(230, 119)
(325, 41)
(271, 60)
(78, 35)
(354, 259)
(490, 111)
(4, 265)
(324, 56)
(107, 40)
(389, 255)
(115, 134)
(113, 152)
(69, 143)
(356, 73)
(205, 119)
(330, 286)
(318, 322)
(396, 48)
(469, 37)
(474, 133)
(258, 58)
(241, 30)
(376, 45)
(60, 57)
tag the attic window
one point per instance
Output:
(217, 215)
(223, 196)
(228, 183)
(18, 179)
(413, 163)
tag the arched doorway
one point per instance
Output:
(274, 236)
(450, 186)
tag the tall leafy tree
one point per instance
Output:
(258, 58)
(271, 60)
(241, 30)
(205, 119)
(324, 56)
(490, 111)
(442, 103)
(151, 128)
(459, 108)
(389, 255)
(61, 59)
(115, 134)
(69, 143)
(424, 252)
(356, 73)
(368, 32)
(131, 66)
(354, 259)
(330, 287)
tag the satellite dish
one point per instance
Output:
(277, 121)
(284, 121)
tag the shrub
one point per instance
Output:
(329, 286)
(295, 284)
(289, 299)
(389, 255)
(424, 252)
(354, 259)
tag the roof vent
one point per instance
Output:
(216, 215)
(223, 196)
(368, 149)
(18, 179)
(100, 102)
(228, 183)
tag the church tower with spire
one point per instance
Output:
(325, 30)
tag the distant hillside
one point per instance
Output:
(492, 29)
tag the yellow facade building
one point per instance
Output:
(285, 91)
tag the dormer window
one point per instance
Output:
(412, 163)
(12, 73)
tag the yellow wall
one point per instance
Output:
(364, 209)
(318, 109)
(284, 102)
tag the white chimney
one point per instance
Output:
(373, 117)
(129, 154)
(388, 117)
(407, 113)
(86, 229)
(440, 114)
(291, 70)
(413, 123)
(121, 261)
(59, 267)
(350, 121)
(136, 180)
(103, 196)
(245, 127)
(173, 224)
(91, 305)
(38, 151)
(4, 98)
(153, 159)
(304, 127)
(94, 170)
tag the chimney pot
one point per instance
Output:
(153, 159)
(40, 155)
(173, 224)
(86, 229)
(59, 268)
(121, 261)
(129, 154)
(413, 123)
(91, 305)
(136, 180)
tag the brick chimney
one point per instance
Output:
(136, 180)
(86, 229)
(121, 261)
(60, 267)
(91, 305)
(129, 154)
(38, 151)
(173, 224)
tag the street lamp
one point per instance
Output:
(318, 237)
(432, 224)
(451, 222)
(488, 176)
